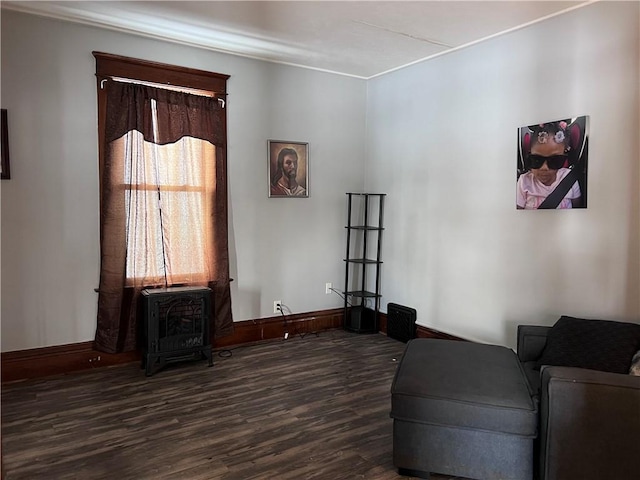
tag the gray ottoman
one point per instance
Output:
(462, 409)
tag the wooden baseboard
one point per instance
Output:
(424, 332)
(421, 332)
(60, 359)
(250, 331)
(63, 359)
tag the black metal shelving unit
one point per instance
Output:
(362, 271)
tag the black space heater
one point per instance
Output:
(401, 322)
(176, 325)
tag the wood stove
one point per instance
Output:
(176, 326)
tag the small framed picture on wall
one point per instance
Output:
(288, 166)
(552, 165)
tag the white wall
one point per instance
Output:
(281, 249)
(440, 141)
(442, 144)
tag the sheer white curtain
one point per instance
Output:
(168, 215)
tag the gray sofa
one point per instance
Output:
(589, 426)
(566, 403)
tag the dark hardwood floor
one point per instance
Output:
(306, 408)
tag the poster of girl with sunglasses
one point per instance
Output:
(552, 165)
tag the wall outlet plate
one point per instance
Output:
(277, 306)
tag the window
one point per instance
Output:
(163, 217)
(167, 212)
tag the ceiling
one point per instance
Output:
(356, 38)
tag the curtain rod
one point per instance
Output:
(193, 91)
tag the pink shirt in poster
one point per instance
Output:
(531, 193)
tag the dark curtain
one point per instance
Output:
(128, 110)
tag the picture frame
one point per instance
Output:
(5, 171)
(552, 164)
(288, 169)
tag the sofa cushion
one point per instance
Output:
(603, 345)
(463, 385)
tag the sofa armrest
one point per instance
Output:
(531, 341)
(589, 424)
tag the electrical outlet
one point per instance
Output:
(277, 306)
(327, 288)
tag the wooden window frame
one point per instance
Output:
(109, 65)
